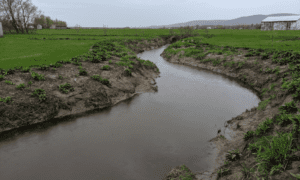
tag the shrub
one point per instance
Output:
(248, 135)
(106, 67)
(36, 76)
(128, 70)
(40, 93)
(64, 88)
(82, 71)
(103, 81)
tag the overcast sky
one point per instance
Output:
(143, 13)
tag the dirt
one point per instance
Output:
(87, 95)
(248, 120)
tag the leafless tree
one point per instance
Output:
(19, 13)
(77, 27)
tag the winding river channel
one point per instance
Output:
(141, 138)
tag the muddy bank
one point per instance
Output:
(249, 120)
(81, 93)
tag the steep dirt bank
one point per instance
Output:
(81, 93)
(249, 120)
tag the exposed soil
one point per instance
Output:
(249, 119)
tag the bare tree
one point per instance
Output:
(46, 22)
(5, 20)
(6, 24)
(77, 28)
(19, 13)
(7, 9)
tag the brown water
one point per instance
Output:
(142, 138)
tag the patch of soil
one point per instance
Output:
(234, 130)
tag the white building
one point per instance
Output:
(208, 27)
(281, 23)
(39, 26)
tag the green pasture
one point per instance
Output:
(44, 46)
(279, 40)
(36, 49)
(22, 51)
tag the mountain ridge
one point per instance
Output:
(244, 20)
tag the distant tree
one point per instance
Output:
(46, 22)
(49, 22)
(220, 27)
(7, 24)
(18, 13)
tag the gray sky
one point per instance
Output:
(143, 13)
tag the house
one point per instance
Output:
(39, 26)
(208, 27)
(281, 23)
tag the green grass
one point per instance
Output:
(47, 50)
(44, 51)
(53, 51)
(47, 46)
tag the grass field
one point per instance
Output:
(18, 50)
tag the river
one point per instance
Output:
(141, 138)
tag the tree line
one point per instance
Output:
(19, 16)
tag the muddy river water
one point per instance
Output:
(141, 138)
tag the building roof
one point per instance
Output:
(281, 18)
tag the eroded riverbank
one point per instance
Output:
(232, 137)
(81, 93)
